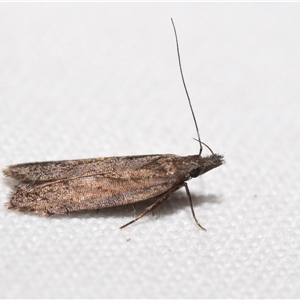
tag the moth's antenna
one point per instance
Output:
(212, 152)
(186, 89)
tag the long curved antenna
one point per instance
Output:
(212, 152)
(200, 151)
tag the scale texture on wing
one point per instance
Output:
(66, 169)
(97, 183)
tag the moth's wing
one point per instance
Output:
(141, 181)
(58, 170)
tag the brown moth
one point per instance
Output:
(60, 187)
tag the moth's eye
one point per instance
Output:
(195, 172)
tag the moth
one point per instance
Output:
(60, 187)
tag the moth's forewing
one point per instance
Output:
(68, 169)
(97, 184)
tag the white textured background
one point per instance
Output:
(88, 80)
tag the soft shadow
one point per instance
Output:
(170, 206)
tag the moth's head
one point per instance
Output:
(200, 165)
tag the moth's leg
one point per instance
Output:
(191, 204)
(159, 200)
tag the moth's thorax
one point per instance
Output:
(195, 165)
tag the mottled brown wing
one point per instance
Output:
(145, 177)
(66, 169)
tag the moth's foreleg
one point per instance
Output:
(159, 200)
(148, 209)
(191, 204)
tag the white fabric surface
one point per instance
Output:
(90, 80)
